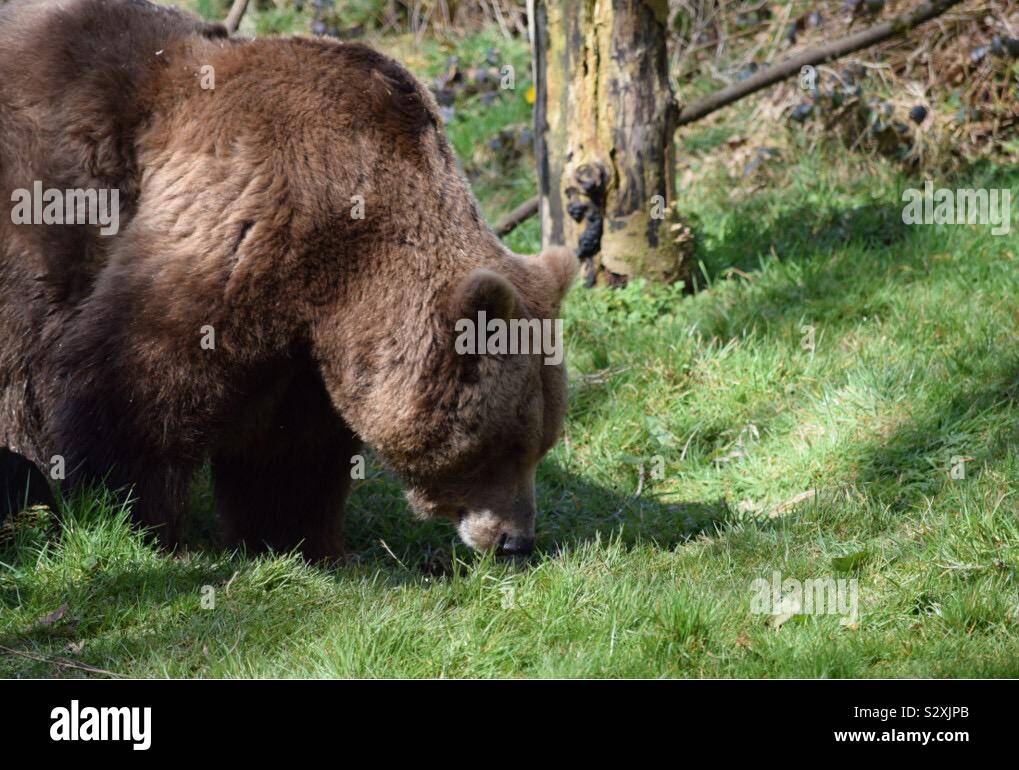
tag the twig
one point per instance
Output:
(792, 502)
(233, 19)
(964, 567)
(230, 582)
(602, 375)
(521, 213)
(62, 662)
(640, 481)
(388, 550)
(682, 455)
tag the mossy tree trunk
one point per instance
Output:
(604, 122)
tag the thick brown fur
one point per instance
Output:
(235, 214)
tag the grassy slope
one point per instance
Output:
(916, 361)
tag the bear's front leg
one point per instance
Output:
(97, 445)
(283, 479)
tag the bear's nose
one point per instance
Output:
(515, 545)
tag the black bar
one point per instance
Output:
(429, 719)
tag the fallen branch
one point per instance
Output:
(61, 662)
(521, 213)
(233, 19)
(895, 27)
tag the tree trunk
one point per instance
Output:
(604, 122)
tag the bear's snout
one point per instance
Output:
(508, 534)
(515, 545)
(494, 511)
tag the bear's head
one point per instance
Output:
(464, 400)
(501, 405)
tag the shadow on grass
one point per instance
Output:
(807, 233)
(802, 233)
(971, 428)
(846, 252)
(574, 510)
(832, 268)
(571, 511)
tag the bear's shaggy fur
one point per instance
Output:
(236, 226)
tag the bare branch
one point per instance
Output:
(521, 213)
(895, 27)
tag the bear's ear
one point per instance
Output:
(561, 266)
(484, 289)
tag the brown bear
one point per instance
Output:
(287, 248)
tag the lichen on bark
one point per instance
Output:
(604, 102)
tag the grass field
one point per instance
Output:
(753, 451)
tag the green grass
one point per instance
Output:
(916, 361)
